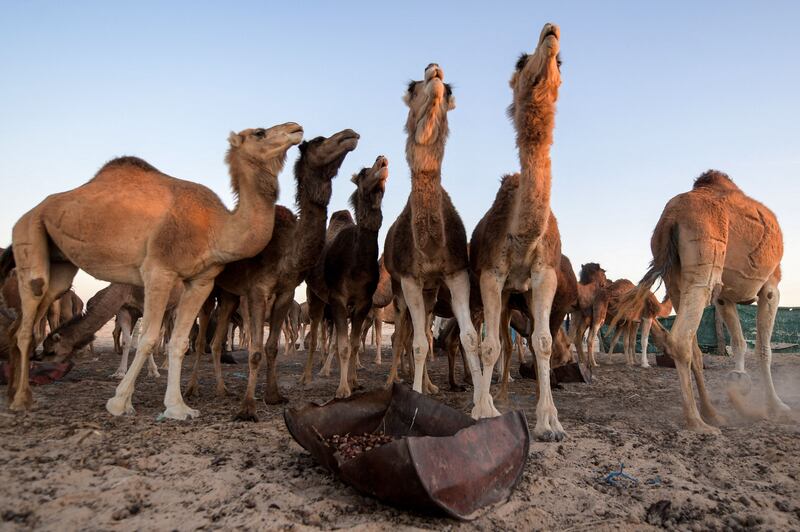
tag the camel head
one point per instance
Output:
(58, 348)
(370, 186)
(537, 76)
(428, 102)
(592, 273)
(319, 162)
(255, 151)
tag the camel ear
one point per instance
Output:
(451, 103)
(56, 337)
(354, 179)
(235, 139)
(303, 145)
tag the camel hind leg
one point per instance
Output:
(125, 323)
(646, 324)
(768, 299)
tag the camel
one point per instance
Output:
(426, 247)
(268, 280)
(303, 321)
(509, 251)
(715, 235)
(346, 274)
(64, 309)
(291, 328)
(166, 231)
(591, 309)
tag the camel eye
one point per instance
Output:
(259, 133)
(558, 61)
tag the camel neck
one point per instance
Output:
(535, 126)
(309, 238)
(426, 210)
(249, 227)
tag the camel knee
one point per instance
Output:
(469, 340)
(544, 345)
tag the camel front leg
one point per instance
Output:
(614, 341)
(280, 308)
(505, 323)
(203, 319)
(543, 289)
(158, 285)
(412, 293)
(328, 338)
(768, 298)
(339, 312)
(124, 321)
(491, 285)
(194, 295)
(398, 342)
(593, 331)
(646, 324)
(316, 309)
(377, 331)
(359, 315)
(226, 307)
(256, 305)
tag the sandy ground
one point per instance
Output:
(70, 465)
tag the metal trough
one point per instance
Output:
(441, 461)
(571, 372)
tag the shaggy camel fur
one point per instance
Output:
(347, 273)
(715, 235)
(268, 280)
(167, 230)
(426, 246)
(509, 251)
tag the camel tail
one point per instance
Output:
(632, 304)
(6, 263)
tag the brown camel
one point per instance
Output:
(167, 230)
(268, 280)
(426, 247)
(64, 309)
(715, 235)
(591, 309)
(346, 274)
(509, 250)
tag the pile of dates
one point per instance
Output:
(351, 445)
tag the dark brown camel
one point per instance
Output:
(346, 275)
(270, 278)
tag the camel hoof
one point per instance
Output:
(778, 408)
(222, 391)
(484, 408)
(324, 372)
(549, 435)
(741, 380)
(714, 418)
(431, 389)
(645, 366)
(22, 403)
(275, 399)
(378, 361)
(117, 406)
(191, 390)
(153, 373)
(343, 392)
(702, 428)
(180, 412)
(246, 415)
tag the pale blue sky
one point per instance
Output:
(652, 95)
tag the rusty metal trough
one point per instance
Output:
(441, 461)
(571, 372)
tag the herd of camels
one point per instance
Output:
(173, 249)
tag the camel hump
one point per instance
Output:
(714, 179)
(129, 161)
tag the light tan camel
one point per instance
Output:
(715, 235)
(651, 311)
(268, 280)
(427, 244)
(167, 230)
(590, 314)
(508, 250)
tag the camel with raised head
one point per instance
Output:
(268, 280)
(715, 237)
(426, 247)
(346, 274)
(509, 250)
(166, 231)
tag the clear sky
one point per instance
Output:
(652, 95)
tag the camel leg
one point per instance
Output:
(158, 285)
(356, 324)
(115, 337)
(37, 293)
(707, 410)
(583, 356)
(543, 289)
(280, 308)
(427, 385)
(256, 305)
(342, 347)
(629, 343)
(492, 295)
(646, 324)
(195, 294)
(316, 310)
(377, 328)
(768, 299)
(397, 341)
(124, 321)
(327, 338)
(505, 337)
(459, 288)
(614, 340)
(593, 331)
(227, 304)
(203, 319)
(412, 292)
(693, 298)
